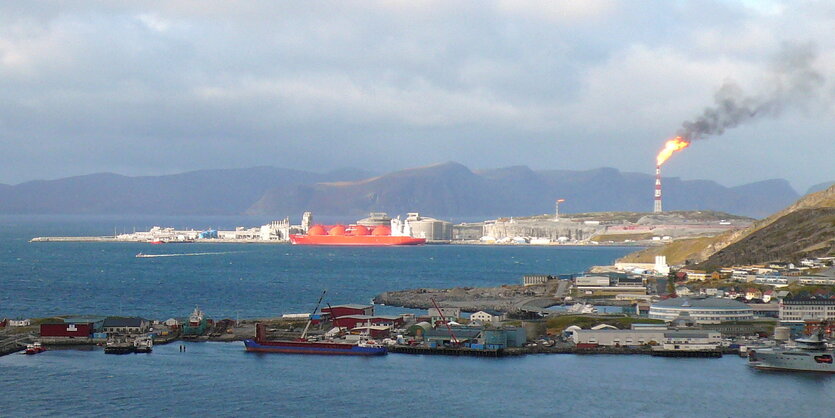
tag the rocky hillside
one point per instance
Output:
(806, 228)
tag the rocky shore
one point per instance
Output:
(507, 298)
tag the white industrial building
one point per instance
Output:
(430, 228)
(640, 335)
(702, 310)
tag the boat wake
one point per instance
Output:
(141, 255)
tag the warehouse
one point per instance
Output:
(62, 329)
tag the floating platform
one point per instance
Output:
(448, 351)
(687, 353)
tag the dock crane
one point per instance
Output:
(454, 340)
(310, 320)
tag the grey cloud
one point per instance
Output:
(143, 88)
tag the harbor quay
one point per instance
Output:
(483, 334)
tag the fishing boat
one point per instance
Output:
(35, 348)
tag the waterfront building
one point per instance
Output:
(701, 309)
(63, 329)
(653, 335)
(807, 309)
(19, 322)
(119, 325)
(442, 336)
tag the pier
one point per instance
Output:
(450, 351)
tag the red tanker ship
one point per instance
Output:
(353, 235)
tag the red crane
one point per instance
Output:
(443, 318)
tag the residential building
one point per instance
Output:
(799, 310)
(488, 317)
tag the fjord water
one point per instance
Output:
(40, 279)
(245, 280)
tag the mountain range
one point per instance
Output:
(448, 190)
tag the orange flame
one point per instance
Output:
(676, 144)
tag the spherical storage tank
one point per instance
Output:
(381, 230)
(316, 230)
(337, 230)
(360, 230)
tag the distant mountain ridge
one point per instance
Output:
(447, 190)
(452, 190)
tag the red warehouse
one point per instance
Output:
(66, 330)
(351, 309)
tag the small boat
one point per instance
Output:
(35, 348)
(119, 345)
(143, 344)
(156, 241)
(141, 255)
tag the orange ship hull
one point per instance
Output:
(355, 240)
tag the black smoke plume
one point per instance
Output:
(794, 83)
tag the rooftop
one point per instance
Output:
(698, 302)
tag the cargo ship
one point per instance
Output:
(302, 346)
(355, 235)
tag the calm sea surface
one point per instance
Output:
(40, 279)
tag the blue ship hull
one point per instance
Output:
(305, 347)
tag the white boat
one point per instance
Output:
(809, 355)
(143, 344)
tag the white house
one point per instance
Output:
(19, 322)
(485, 317)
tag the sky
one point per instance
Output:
(160, 87)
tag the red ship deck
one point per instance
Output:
(355, 240)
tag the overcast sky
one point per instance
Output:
(170, 86)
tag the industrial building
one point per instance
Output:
(610, 285)
(640, 335)
(375, 219)
(430, 228)
(702, 310)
